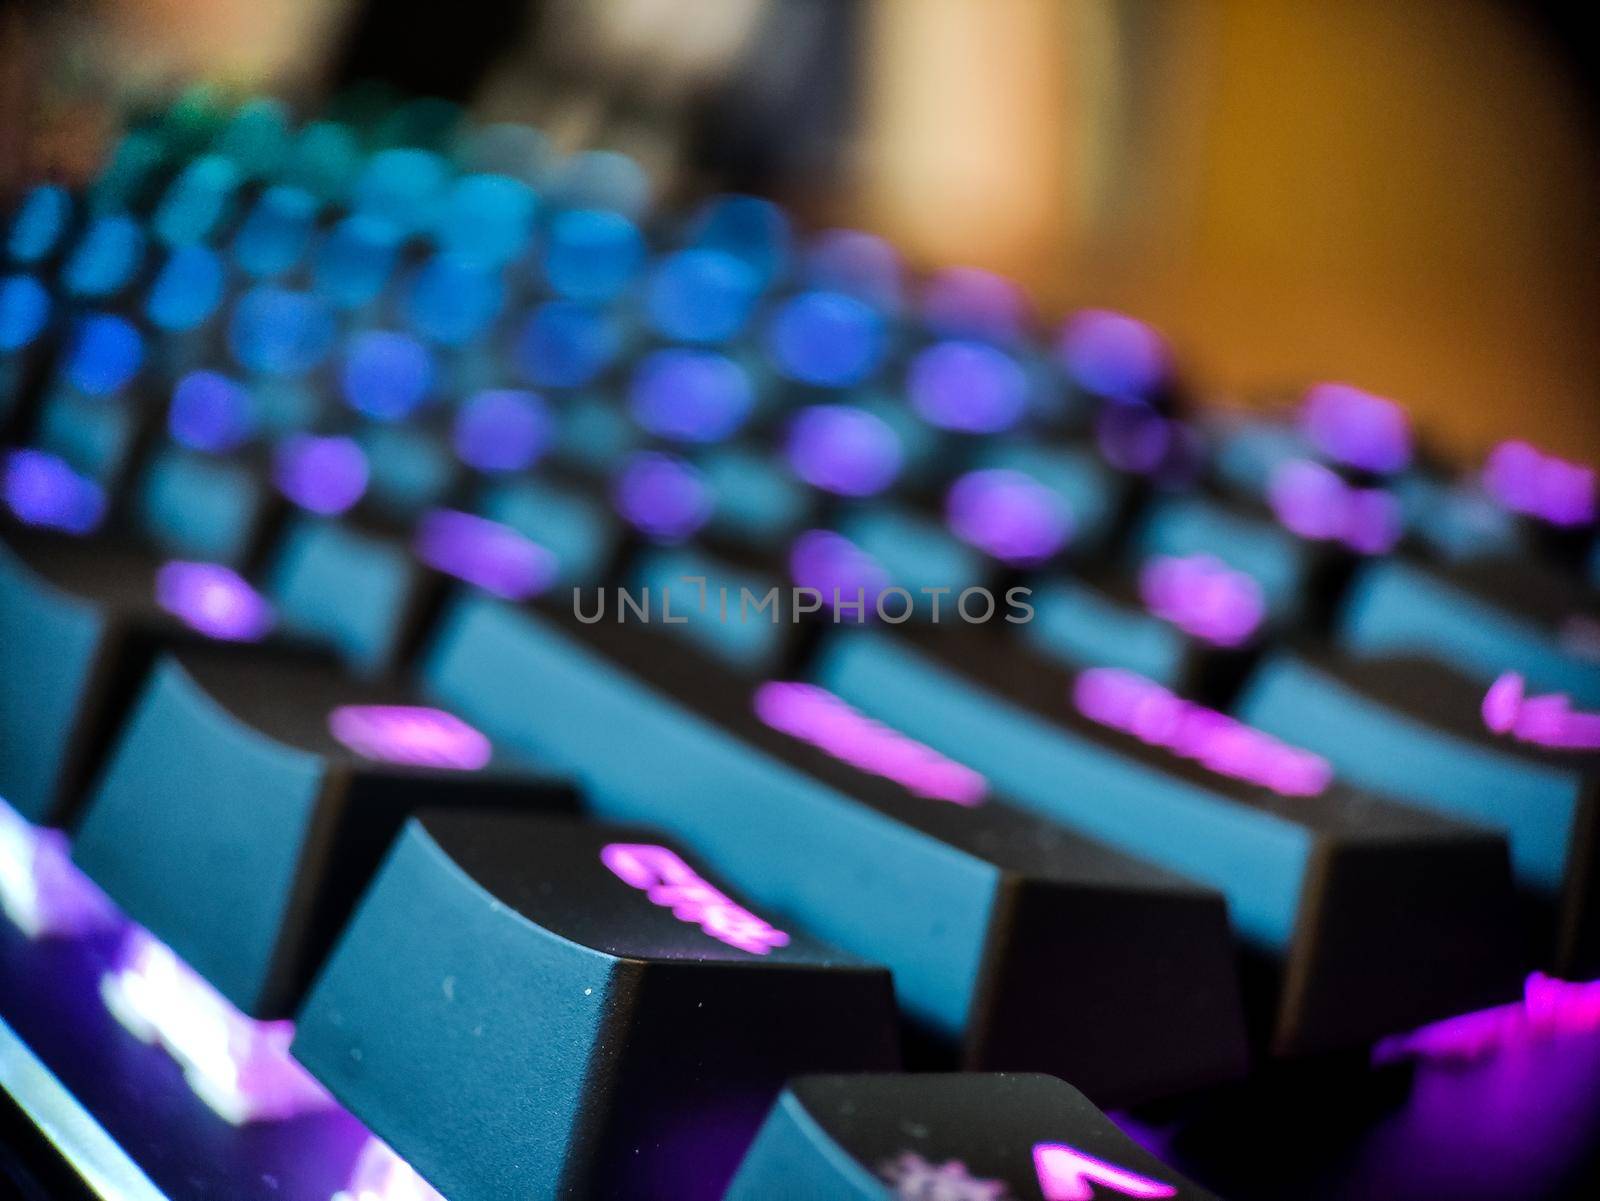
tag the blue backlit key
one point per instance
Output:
(186, 290)
(275, 234)
(352, 262)
(600, 969)
(108, 255)
(197, 202)
(250, 797)
(886, 870)
(964, 1137)
(39, 225)
(1419, 732)
(1320, 880)
(487, 219)
(592, 255)
(701, 296)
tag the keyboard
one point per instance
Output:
(513, 686)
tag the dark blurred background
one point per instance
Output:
(1394, 192)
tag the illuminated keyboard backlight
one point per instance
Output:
(1068, 1174)
(410, 735)
(1357, 428)
(1135, 705)
(671, 883)
(1203, 596)
(1313, 502)
(43, 894)
(1549, 1009)
(240, 1068)
(213, 600)
(1528, 481)
(495, 557)
(1547, 721)
(816, 716)
(41, 490)
(381, 1175)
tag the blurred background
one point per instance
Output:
(1391, 192)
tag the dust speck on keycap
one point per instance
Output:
(449, 988)
(588, 991)
(914, 1129)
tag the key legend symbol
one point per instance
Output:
(1067, 1174)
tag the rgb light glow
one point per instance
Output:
(1526, 480)
(702, 296)
(1010, 515)
(843, 450)
(964, 302)
(1068, 1174)
(1133, 704)
(213, 600)
(106, 352)
(323, 475)
(662, 496)
(40, 489)
(1203, 596)
(1114, 355)
(41, 891)
(386, 375)
(411, 736)
(565, 345)
(381, 1175)
(1549, 1009)
(827, 339)
(1313, 502)
(1547, 721)
(671, 883)
(1357, 428)
(503, 429)
(240, 1068)
(830, 564)
(24, 310)
(210, 413)
(592, 255)
(856, 263)
(690, 395)
(495, 557)
(968, 387)
(816, 716)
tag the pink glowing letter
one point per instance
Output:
(1067, 1174)
(668, 881)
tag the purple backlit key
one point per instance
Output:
(654, 1013)
(247, 781)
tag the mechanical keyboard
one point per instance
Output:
(511, 687)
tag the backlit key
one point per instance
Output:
(1321, 881)
(250, 797)
(604, 971)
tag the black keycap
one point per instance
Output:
(1484, 618)
(1417, 730)
(80, 622)
(537, 1008)
(250, 797)
(1013, 943)
(963, 1137)
(1363, 916)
